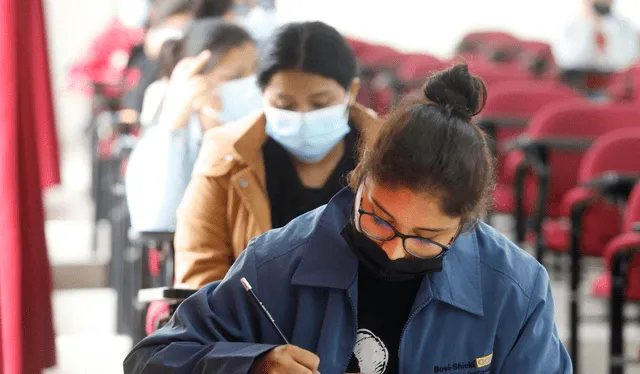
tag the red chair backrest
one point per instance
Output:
(493, 73)
(625, 86)
(617, 151)
(358, 46)
(520, 100)
(523, 99)
(580, 120)
(632, 214)
(537, 48)
(380, 56)
(418, 67)
(475, 42)
(537, 57)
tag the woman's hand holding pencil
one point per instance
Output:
(285, 359)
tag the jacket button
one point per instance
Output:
(244, 183)
(228, 157)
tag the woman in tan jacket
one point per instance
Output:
(266, 169)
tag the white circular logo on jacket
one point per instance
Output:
(371, 353)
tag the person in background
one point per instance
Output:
(397, 274)
(168, 58)
(266, 169)
(199, 9)
(599, 41)
(213, 83)
(169, 20)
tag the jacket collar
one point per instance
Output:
(330, 263)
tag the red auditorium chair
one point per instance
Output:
(621, 281)
(493, 72)
(538, 58)
(358, 46)
(154, 267)
(625, 86)
(414, 70)
(552, 147)
(489, 44)
(378, 64)
(509, 107)
(607, 173)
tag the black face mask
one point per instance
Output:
(376, 261)
(602, 9)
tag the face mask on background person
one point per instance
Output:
(239, 97)
(602, 9)
(133, 13)
(308, 136)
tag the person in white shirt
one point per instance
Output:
(213, 83)
(600, 40)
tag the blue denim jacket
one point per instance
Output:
(489, 311)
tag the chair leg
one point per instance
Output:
(540, 213)
(619, 270)
(518, 204)
(574, 311)
(558, 266)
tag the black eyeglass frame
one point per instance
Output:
(398, 234)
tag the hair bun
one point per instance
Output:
(456, 90)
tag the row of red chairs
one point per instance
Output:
(495, 56)
(388, 73)
(539, 172)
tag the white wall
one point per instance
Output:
(71, 26)
(435, 26)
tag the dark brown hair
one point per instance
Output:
(213, 34)
(312, 47)
(429, 144)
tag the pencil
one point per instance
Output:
(247, 286)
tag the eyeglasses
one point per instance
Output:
(378, 229)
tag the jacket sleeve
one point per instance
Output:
(538, 348)
(211, 332)
(202, 242)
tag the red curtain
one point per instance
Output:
(28, 162)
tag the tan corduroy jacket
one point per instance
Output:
(226, 203)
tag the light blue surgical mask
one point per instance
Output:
(308, 136)
(239, 97)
